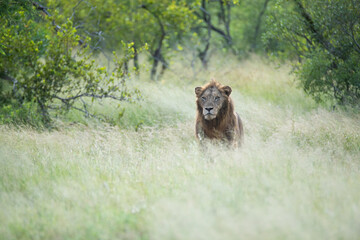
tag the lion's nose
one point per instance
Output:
(209, 109)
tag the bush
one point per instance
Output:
(325, 35)
(46, 66)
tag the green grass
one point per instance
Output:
(296, 177)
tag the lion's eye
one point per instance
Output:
(217, 98)
(203, 98)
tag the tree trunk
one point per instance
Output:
(155, 64)
(164, 65)
(44, 113)
(258, 24)
(157, 53)
(126, 68)
(225, 17)
(203, 55)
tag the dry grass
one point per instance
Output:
(296, 177)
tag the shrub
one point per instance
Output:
(43, 63)
(325, 35)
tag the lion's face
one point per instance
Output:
(211, 100)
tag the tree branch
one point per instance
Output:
(207, 19)
(157, 56)
(42, 8)
(218, 30)
(316, 33)
(258, 23)
(68, 99)
(66, 102)
(163, 33)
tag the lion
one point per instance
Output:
(216, 118)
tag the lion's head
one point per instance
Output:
(212, 99)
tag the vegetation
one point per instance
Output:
(45, 65)
(295, 177)
(46, 47)
(97, 111)
(325, 36)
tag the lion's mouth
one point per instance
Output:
(209, 116)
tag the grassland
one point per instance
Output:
(144, 177)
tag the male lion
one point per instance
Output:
(216, 118)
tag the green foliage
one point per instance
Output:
(168, 26)
(17, 115)
(47, 60)
(7, 7)
(160, 24)
(325, 36)
(49, 68)
(248, 25)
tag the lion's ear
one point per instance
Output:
(198, 91)
(227, 90)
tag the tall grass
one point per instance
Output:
(296, 177)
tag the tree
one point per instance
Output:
(159, 24)
(47, 66)
(173, 21)
(255, 38)
(208, 12)
(325, 35)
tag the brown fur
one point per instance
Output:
(221, 122)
